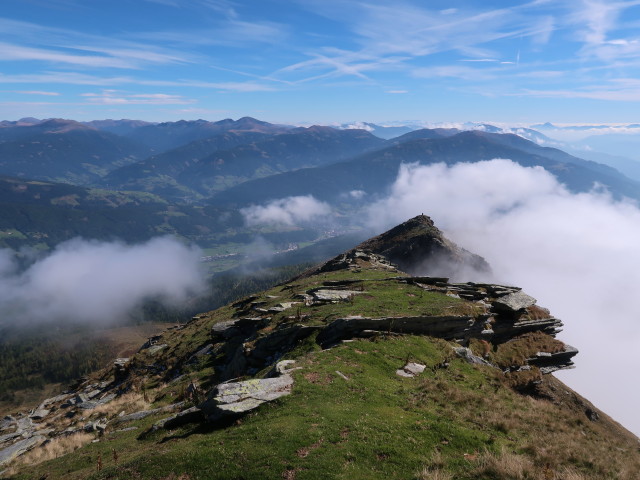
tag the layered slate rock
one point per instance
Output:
(417, 246)
(18, 448)
(236, 398)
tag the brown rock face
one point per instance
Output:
(417, 246)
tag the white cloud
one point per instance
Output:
(286, 211)
(91, 281)
(17, 52)
(455, 71)
(112, 97)
(576, 253)
(359, 126)
(38, 92)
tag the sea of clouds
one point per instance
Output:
(97, 282)
(577, 254)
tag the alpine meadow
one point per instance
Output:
(319, 240)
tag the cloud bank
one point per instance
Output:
(101, 282)
(286, 211)
(576, 253)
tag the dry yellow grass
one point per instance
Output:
(55, 448)
(437, 474)
(128, 402)
(434, 469)
(505, 465)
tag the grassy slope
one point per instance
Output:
(463, 421)
(85, 351)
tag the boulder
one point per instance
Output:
(153, 349)
(121, 368)
(24, 425)
(513, 302)
(411, 369)
(236, 398)
(97, 426)
(467, 355)
(327, 295)
(39, 413)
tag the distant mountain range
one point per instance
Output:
(183, 177)
(219, 162)
(44, 214)
(64, 150)
(375, 171)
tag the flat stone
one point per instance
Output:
(235, 398)
(12, 452)
(121, 362)
(448, 327)
(39, 414)
(94, 393)
(145, 413)
(330, 296)
(263, 390)
(234, 328)
(9, 436)
(411, 369)
(513, 302)
(107, 398)
(153, 349)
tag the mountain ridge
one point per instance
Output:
(384, 376)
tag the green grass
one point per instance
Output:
(376, 425)
(464, 421)
(12, 233)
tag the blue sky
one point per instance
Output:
(322, 61)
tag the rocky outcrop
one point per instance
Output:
(236, 398)
(18, 448)
(61, 415)
(447, 327)
(417, 247)
(499, 314)
(352, 260)
(549, 362)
